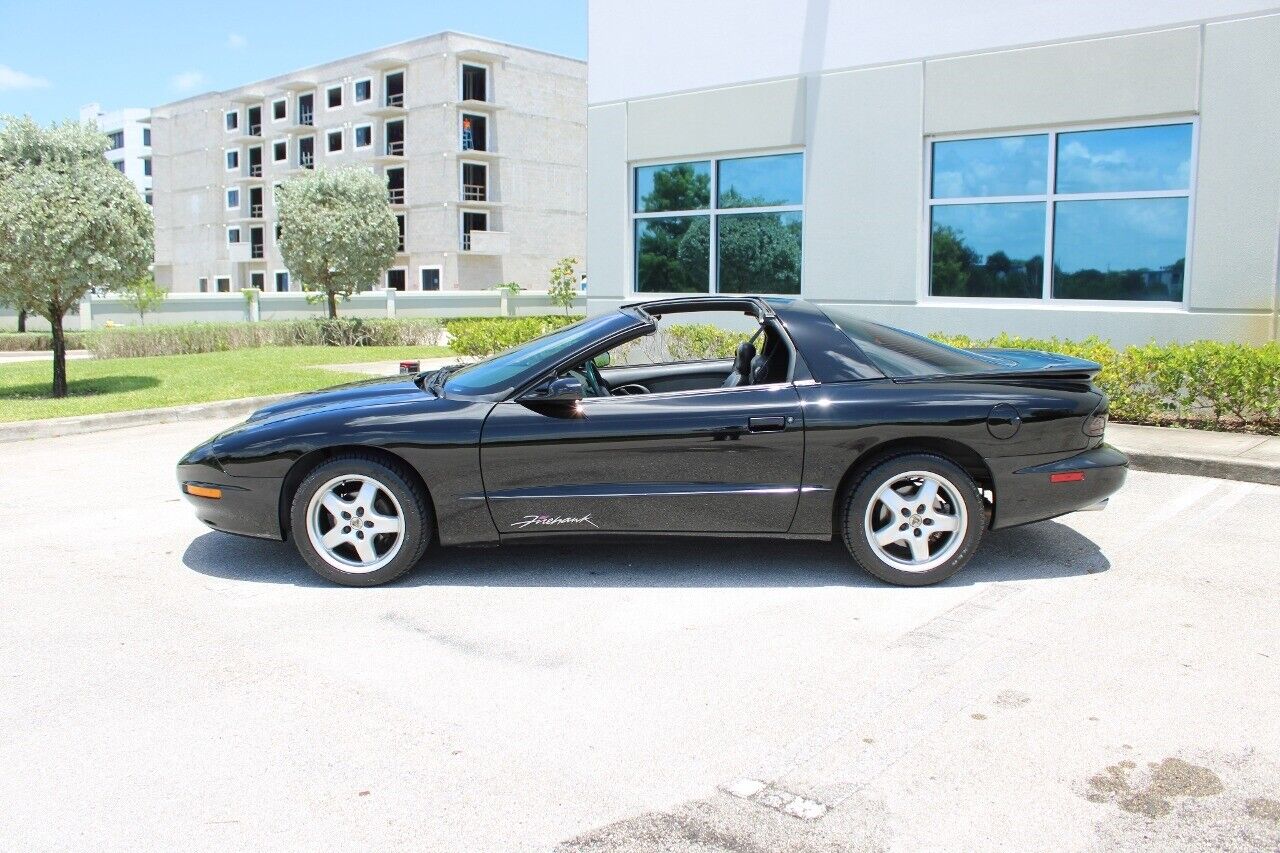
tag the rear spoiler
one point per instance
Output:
(1026, 363)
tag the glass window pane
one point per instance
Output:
(988, 250)
(1005, 165)
(759, 252)
(1125, 160)
(761, 181)
(673, 254)
(675, 186)
(1120, 249)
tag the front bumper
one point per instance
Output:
(1025, 492)
(249, 506)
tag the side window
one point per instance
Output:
(680, 338)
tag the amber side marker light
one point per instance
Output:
(202, 491)
(1067, 477)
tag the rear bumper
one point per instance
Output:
(249, 506)
(1025, 493)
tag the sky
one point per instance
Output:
(57, 55)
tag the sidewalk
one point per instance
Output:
(1226, 455)
(40, 355)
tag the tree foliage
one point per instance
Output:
(69, 223)
(143, 295)
(337, 232)
(563, 285)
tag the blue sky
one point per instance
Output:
(56, 56)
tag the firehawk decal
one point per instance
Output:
(551, 521)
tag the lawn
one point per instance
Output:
(122, 384)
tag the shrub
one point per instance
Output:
(133, 342)
(38, 341)
(483, 336)
(1206, 383)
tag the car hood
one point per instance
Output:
(368, 392)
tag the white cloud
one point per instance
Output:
(12, 79)
(186, 81)
(235, 41)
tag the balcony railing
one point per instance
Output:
(396, 149)
(255, 170)
(307, 161)
(253, 130)
(396, 100)
(466, 241)
(257, 251)
(306, 118)
(396, 195)
(475, 192)
(255, 211)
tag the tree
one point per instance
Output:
(143, 295)
(69, 222)
(337, 232)
(563, 287)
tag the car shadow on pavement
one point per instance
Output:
(1040, 551)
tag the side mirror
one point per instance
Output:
(566, 389)
(602, 360)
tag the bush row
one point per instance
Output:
(1205, 383)
(482, 336)
(37, 341)
(136, 341)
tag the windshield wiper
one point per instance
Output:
(436, 383)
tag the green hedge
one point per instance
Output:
(37, 341)
(135, 341)
(1203, 384)
(482, 336)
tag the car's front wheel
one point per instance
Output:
(360, 521)
(913, 519)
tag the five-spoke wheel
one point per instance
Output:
(913, 519)
(360, 520)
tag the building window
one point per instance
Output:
(363, 135)
(232, 119)
(146, 166)
(253, 121)
(223, 284)
(475, 133)
(333, 142)
(393, 89)
(119, 164)
(280, 109)
(475, 83)
(395, 279)
(202, 285)
(475, 182)
(146, 137)
(395, 185)
(333, 97)
(362, 90)
(257, 280)
(732, 225)
(400, 230)
(429, 278)
(280, 151)
(307, 152)
(233, 199)
(472, 221)
(147, 197)
(233, 159)
(233, 235)
(1063, 215)
(306, 110)
(282, 281)
(115, 140)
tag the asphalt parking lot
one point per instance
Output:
(1107, 681)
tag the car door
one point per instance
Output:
(714, 461)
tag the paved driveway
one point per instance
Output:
(1108, 681)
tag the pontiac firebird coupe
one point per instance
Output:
(822, 425)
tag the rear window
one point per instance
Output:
(903, 354)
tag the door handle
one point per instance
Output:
(770, 423)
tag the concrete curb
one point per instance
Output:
(53, 427)
(1244, 470)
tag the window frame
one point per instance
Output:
(288, 281)
(236, 230)
(329, 134)
(355, 139)
(488, 81)
(1049, 198)
(355, 99)
(386, 278)
(277, 142)
(228, 127)
(462, 181)
(226, 159)
(274, 101)
(342, 96)
(439, 268)
(713, 211)
(227, 198)
(217, 284)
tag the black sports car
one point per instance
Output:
(822, 425)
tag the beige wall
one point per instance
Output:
(865, 131)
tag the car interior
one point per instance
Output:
(761, 358)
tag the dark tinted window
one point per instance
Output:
(904, 354)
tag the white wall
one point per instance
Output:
(662, 46)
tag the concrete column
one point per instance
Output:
(391, 302)
(86, 313)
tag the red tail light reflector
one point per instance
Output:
(1067, 477)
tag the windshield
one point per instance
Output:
(903, 354)
(506, 371)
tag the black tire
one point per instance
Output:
(417, 524)
(863, 492)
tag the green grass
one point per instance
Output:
(124, 384)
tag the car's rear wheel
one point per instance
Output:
(360, 521)
(913, 519)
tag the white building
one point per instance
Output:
(130, 133)
(1038, 168)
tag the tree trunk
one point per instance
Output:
(333, 304)
(22, 321)
(59, 353)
